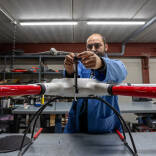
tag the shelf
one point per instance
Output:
(18, 73)
(27, 59)
(50, 73)
(32, 56)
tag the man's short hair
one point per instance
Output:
(103, 38)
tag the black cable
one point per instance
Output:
(100, 99)
(35, 115)
(119, 116)
(123, 129)
(39, 112)
(25, 149)
(76, 74)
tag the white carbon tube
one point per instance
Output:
(65, 87)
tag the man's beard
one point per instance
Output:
(100, 54)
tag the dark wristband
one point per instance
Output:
(103, 67)
(69, 75)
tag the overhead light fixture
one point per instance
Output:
(116, 23)
(47, 23)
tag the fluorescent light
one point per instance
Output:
(47, 23)
(116, 23)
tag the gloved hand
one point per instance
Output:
(69, 63)
(90, 60)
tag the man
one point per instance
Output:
(93, 116)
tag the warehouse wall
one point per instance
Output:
(152, 70)
(133, 67)
(134, 70)
(132, 49)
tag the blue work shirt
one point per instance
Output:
(101, 118)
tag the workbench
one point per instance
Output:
(56, 108)
(63, 107)
(138, 107)
(88, 145)
(60, 108)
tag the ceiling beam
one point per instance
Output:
(8, 16)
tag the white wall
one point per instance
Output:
(134, 70)
(152, 70)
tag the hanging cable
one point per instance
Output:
(37, 114)
(27, 129)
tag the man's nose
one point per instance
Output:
(93, 48)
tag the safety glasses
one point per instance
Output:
(96, 45)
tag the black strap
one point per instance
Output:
(83, 117)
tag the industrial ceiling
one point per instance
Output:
(76, 10)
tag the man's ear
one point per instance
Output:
(106, 47)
